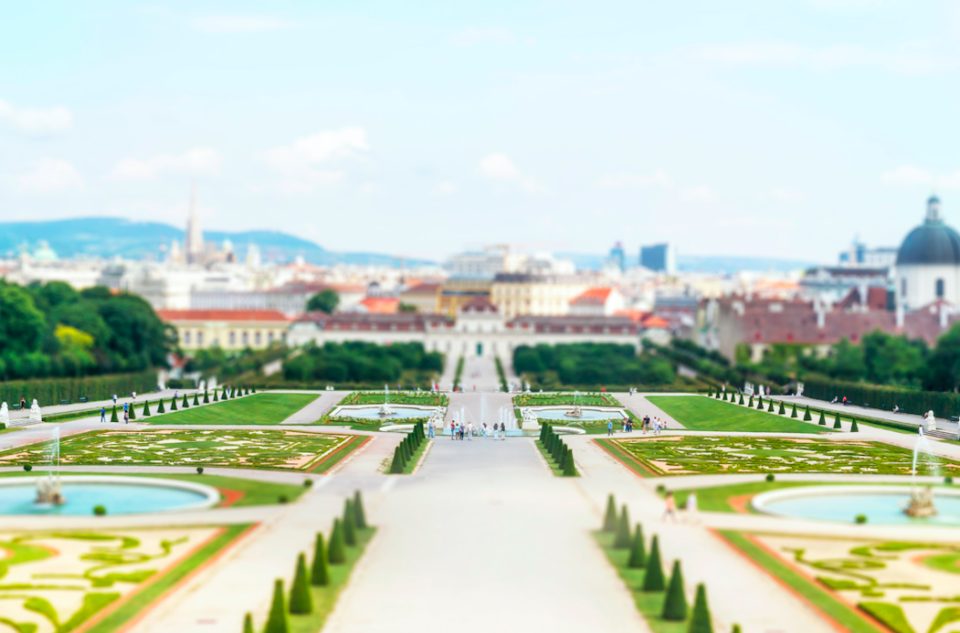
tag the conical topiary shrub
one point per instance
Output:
(337, 555)
(769, 405)
(806, 414)
(206, 397)
(823, 420)
(113, 415)
(319, 571)
(653, 580)
(760, 403)
(216, 398)
(836, 421)
(146, 409)
(793, 413)
(349, 524)
(173, 404)
(700, 621)
(196, 400)
(741, 399)
(610, 517)
(853, 426)
(396, 466)
(569, 467)
(361, 516)
(675, 604)
(300, 600)
(621, 539)
(736, 628)
(132, 412)
(750, 402)
(248, 623)
(638, 550)
(563, 457)
(184, 404)
(160, 408)
(277, 621)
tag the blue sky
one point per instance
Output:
(775, 129)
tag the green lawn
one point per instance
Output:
(259, 408)
(698, 413)
(142, 599)
(843, 614)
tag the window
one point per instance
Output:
(245, 339)
(940, 289)
(233, 338)
(256, 338)
(270, 337)
(186, 338)
(200, 339)
(903, 287)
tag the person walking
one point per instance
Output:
(114, 398)
(23, 403)
(453, 430)
(103, 414)
(691, 515)
(609, 427)
(503, 431)
(430, 426)
(470, 431)
(670, 509)
(495, 431)
(483, 431)
(126, 416)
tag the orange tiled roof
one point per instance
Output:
(380, 305)
(221, 315)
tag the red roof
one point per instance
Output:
(653, 321)
(221, 315)
(593, 296)
(380, 305)
(478, 304)
(636, 316)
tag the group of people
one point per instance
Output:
(459, 430)
(126, 408)
(670, 511)
(654, 425)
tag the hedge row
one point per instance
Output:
(943, 405)
(50, 391)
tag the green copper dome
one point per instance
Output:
(933, 242)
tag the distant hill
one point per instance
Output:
(704, 264)
(109, 237)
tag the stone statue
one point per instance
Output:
(35, 412)
(4, 416)
(921, 503)
(930, 422)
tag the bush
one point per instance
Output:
(160, 408)
(113, 415)
(569, 468)
(741, 399)
(146, 409)
(206, 397)
(675, 604)
(359, 511)
(638, 550)
(277, 621)
(770, 477)
(27, 467)
(653, 580)
(609, 519)
(860, 519)
(943, 404)
(806, 414)
(300, 600)
(173, 404)
(320, 571)
(196, 400)
(396, 466)
(823, 420)
(836, 421)
(50, 391)
(749, 402)
(700, 621)
(216, 397)
(337, 555)
(307, 483)
(793, 413)
(769, 405)
(248, 623)
(283, 499)
(199, 470)
(853, 426)
(184, 404)
(782, 411)
(99, 511)
(349, 524)
(622, 538)
(948, 480)
(131, 412)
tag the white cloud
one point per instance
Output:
(659, 178)
(51, 174)
(241, 24)
(774, 54)
(196, 161)
(700, 193)
(783, 195)
(907, 175)
(500, 167)
(296, 163)
(472, 37)
(46, 121)
(445, 188)
(950, 181)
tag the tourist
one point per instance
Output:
(691, 509)
(503, 431)
(671, 507)
(483, 431)
(134, 394)
(834, 401)
(126, 416)
(609, 427)
(23, 403)
(896, 409)
(103, 414)
(430, 426)
(114, 398)
(470, 431)
(844, 401)
(453, 430)
(496, 430)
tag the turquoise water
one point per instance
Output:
(880, 509)
(82, 497)
(373, 412)
(587, 415)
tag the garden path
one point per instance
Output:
(480, 371)
(82, 406)
(640, 406)
(483, 539)
(942, 424)
(312, 412)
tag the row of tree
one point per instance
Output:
(52, 330)
(358, 362)
(594, 364)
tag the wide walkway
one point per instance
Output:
(484, 539)
(914, 420)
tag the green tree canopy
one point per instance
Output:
(324, 301)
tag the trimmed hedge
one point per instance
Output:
(50, 391)
(943, 404)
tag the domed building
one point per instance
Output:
(928, 263)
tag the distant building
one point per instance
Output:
(661, 258)
(597, 302)
(458, 291)
(228, 329)
(928, 263)
(831, 283)
(859, 255)
(476, 265)
(520, 294)
(425, 297)
(617, 257)
(193, 241)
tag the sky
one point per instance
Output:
(770, 129)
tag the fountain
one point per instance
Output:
(577, 411)
(49, 491)
(921, 497)
(385, 408)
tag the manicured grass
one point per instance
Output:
(415, 458)
(255, 493)
(699, 413)
(625, 458)
(553, 464)
(822, 599)
(341, 454)
(155, 590)
(717, 498)
(325, 598)
(565, 398)
(649, 604)
(424, 398)
(949, 563)
(259, 408)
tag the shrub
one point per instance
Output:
(563, 456)
(793, 413)
(609, 519)
(653, 580)
(700, 621)
(248, 623)
(661, 489)
(638, 550)
(319, 571)
(622, 538)
(860, 519)
(396, 466)
(569, 468)
(160, 408)
(283, 499)
(675, 604)
(823, 420)
(300, 600)
(337, 555)
(206, 397)
(770, 477)
(806, 414)
(27, 467)
(741, 399)
(133, 414)
(307, 483)
(853, 426)
(113, 415)
(749, 402)
(199, 470)
(736, 628)
(99, 511)
(948, 480)
(782, 411)
(349, 523)
(769, 405)
(146, 409)
(196, 400)
(277, 621)
(760, 404)
(173, 404)
(836, 421)
(216, 398)
(358, 510)
(184, 404)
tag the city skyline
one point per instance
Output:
(796, 130)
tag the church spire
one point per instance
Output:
(193, 242)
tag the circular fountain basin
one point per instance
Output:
(372, 412)
(586, 415)
(119, 495)
(882, 505)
